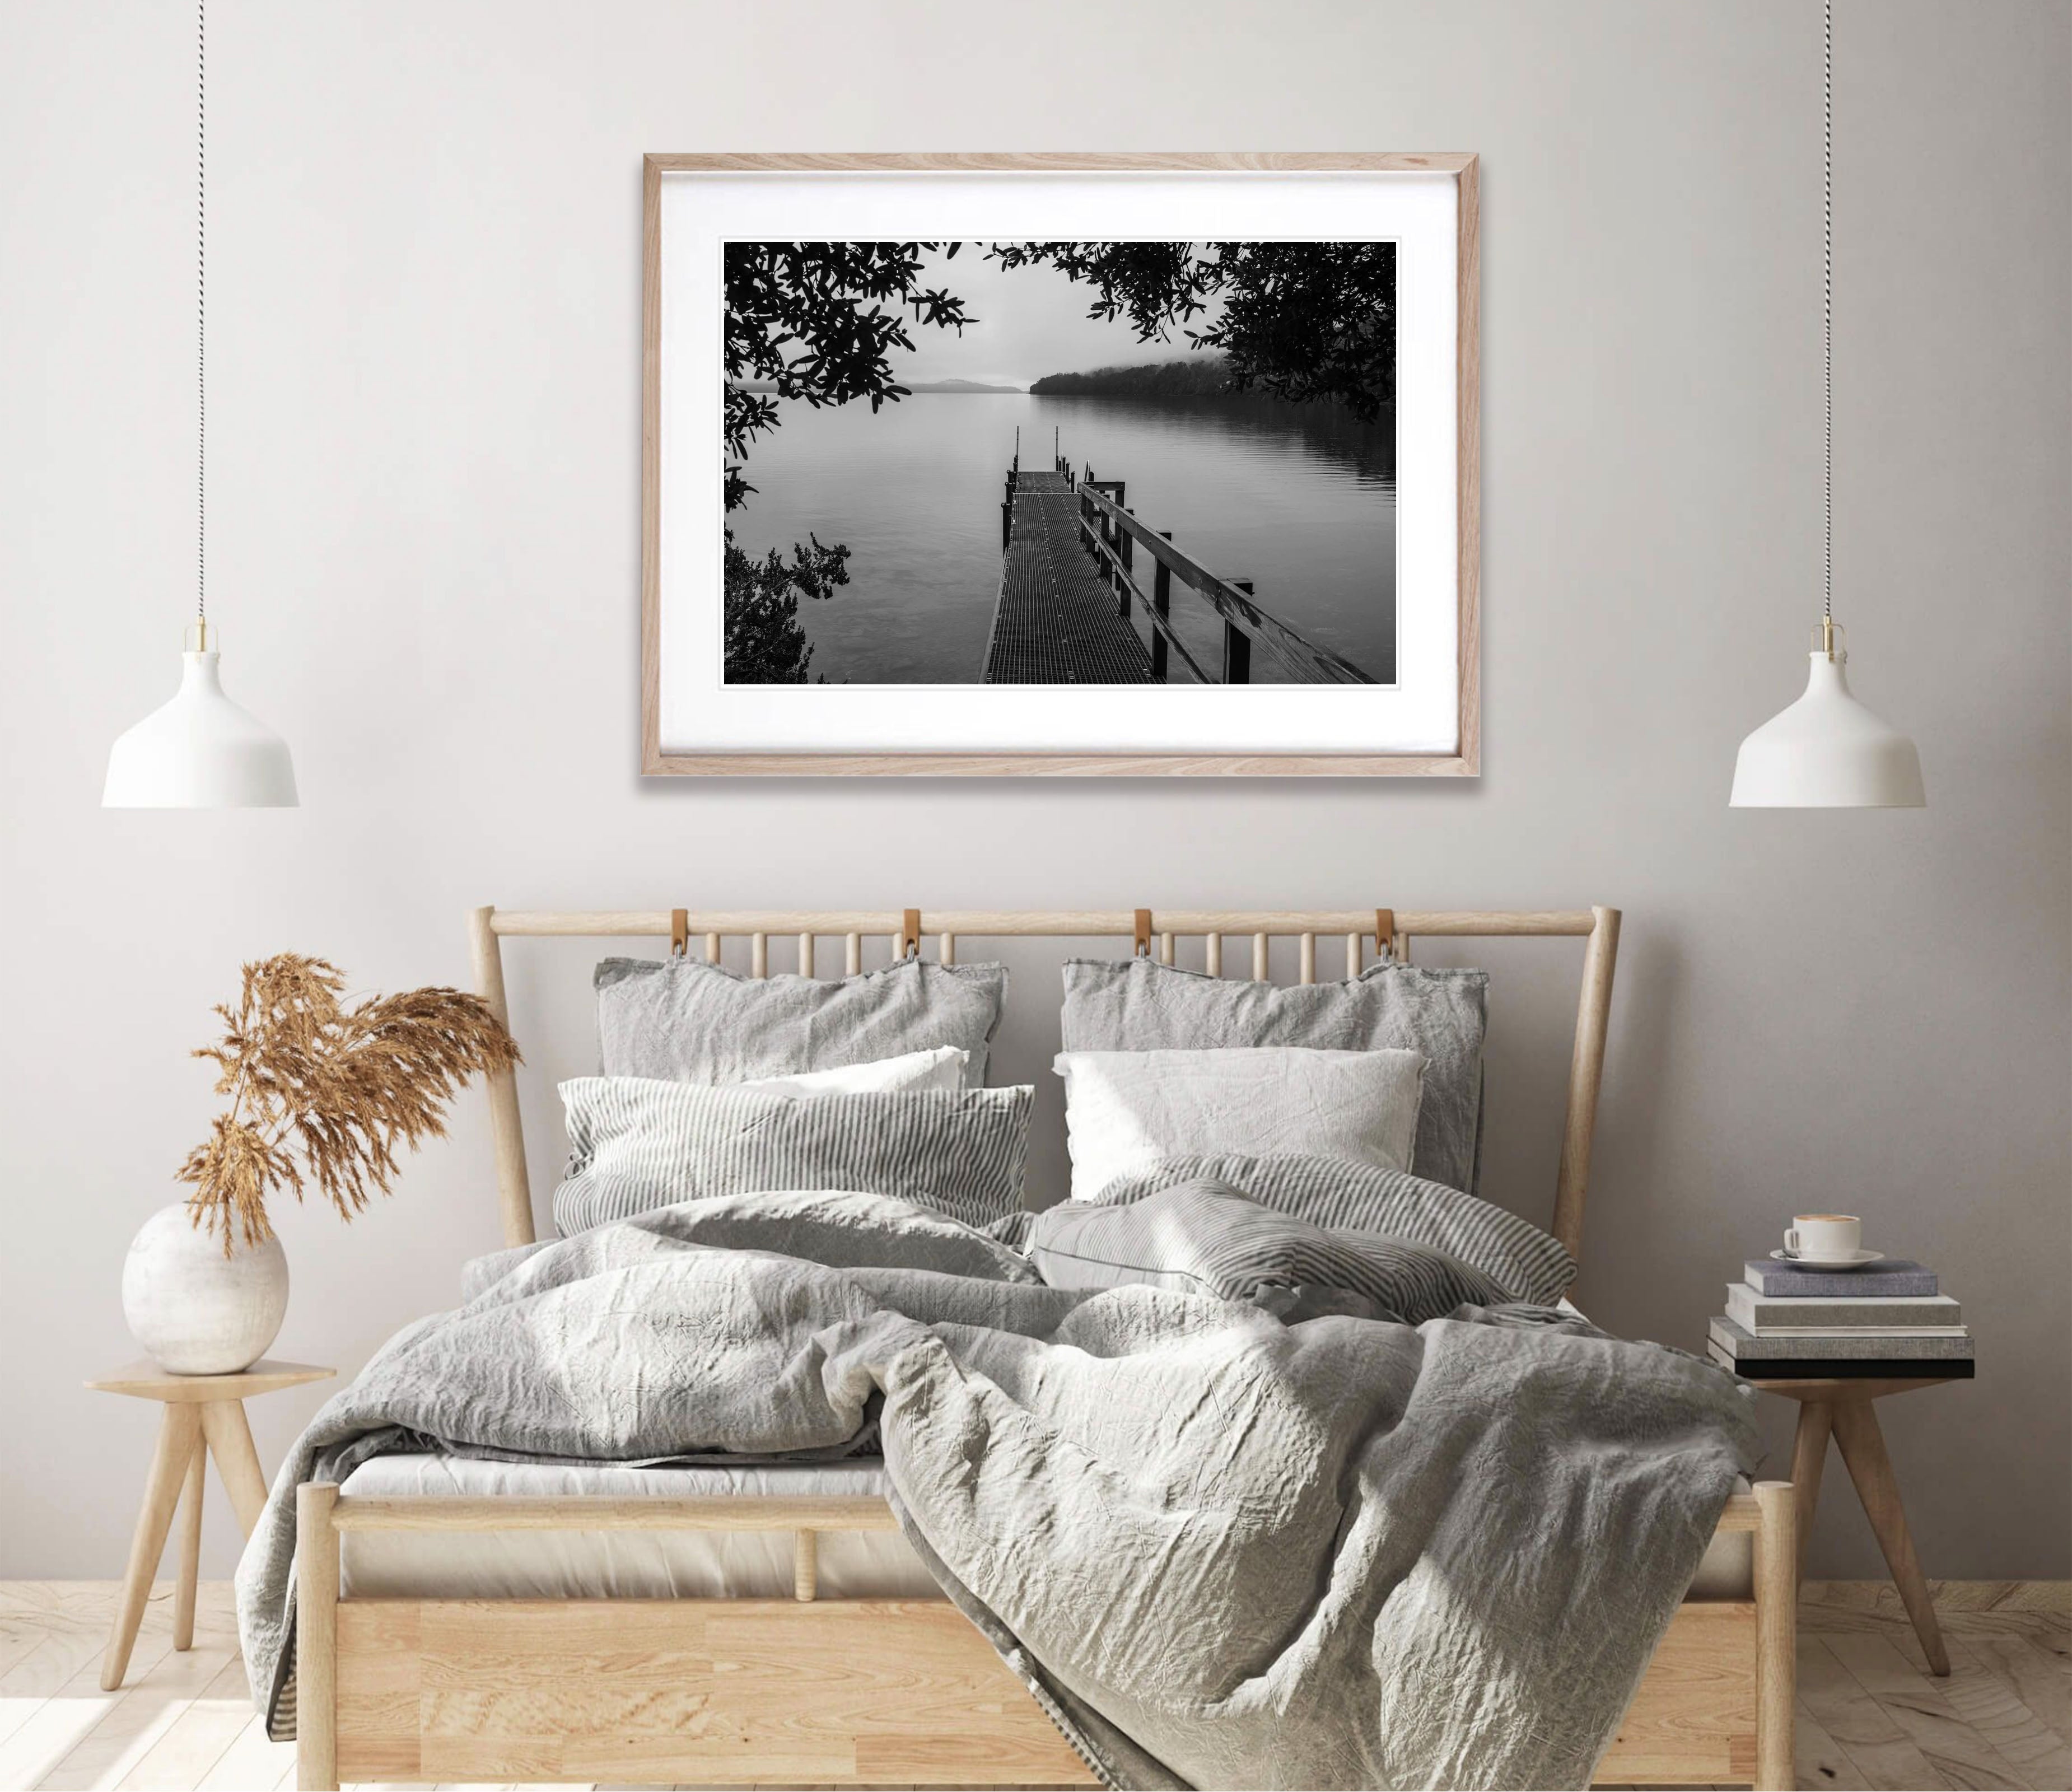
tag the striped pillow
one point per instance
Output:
(635, 1144)
(1205, 1237)
(1527, 1262)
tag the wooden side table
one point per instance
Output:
(203, 1416)
(1845, 1409)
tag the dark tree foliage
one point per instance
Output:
(1309, 320)
(815, 320)
(1152, 285)
(1300, 320)
(765, 645)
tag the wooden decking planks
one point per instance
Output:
(1055, 622)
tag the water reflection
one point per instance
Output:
(1299, 499)
(1329, 431)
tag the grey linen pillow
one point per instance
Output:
(635, 1144)
(1138, 1005)
(684, 1021)
(1525, 1262)
(1205, 1236)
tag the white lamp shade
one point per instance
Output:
(1827, 751)
(199, 751)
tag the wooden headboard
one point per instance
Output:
(1388, 929)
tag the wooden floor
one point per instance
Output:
(1869, 1715)
(1057, 622)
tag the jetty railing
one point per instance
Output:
(1111, 532)
(1007, 497)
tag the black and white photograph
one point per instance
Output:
(1068, 464)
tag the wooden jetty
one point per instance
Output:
(1069, 597)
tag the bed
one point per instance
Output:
(460, 1620)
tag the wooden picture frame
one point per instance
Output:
(1463, 759)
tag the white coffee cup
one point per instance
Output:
(1825, 1237)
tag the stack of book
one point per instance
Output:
(1889, 1318)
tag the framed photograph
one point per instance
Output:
(1077, 465)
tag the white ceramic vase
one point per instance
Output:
(195, 1311)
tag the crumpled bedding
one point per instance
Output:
(1222, 1550)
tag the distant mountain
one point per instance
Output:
(956, 385)
(916, 385)
(1201, 377)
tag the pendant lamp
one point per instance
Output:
(1828, 751)
(200, 750)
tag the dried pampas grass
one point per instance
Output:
(324, 1093)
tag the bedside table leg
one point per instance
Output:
(179, 1432)
(1862, 1444)
(1809, 1458)
(230, 1443)
(183, 1591)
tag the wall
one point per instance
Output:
(424, 476)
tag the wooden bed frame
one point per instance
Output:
(874, 1693)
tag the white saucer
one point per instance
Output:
(1858, 1261)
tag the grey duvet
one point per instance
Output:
(1222, 1551)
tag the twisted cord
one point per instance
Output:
(1827, 310)
(201, 309)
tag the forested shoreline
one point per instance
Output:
(1199, 377)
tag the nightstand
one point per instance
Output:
(203, 1416)
(1845, 1409)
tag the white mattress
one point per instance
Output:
(698, 1565)
(619, 1564)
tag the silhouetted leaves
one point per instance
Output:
(1154, 284)
(765, 645)
(1300, 321)
(816, 320)
(1309, 320)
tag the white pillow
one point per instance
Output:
(1126, 1109)
(943, 1068)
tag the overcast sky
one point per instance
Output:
(1032, 321)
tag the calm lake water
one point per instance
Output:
(1300, 498)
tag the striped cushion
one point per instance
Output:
(1523, 1259)
(1204, 1236)
(635, 1144)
